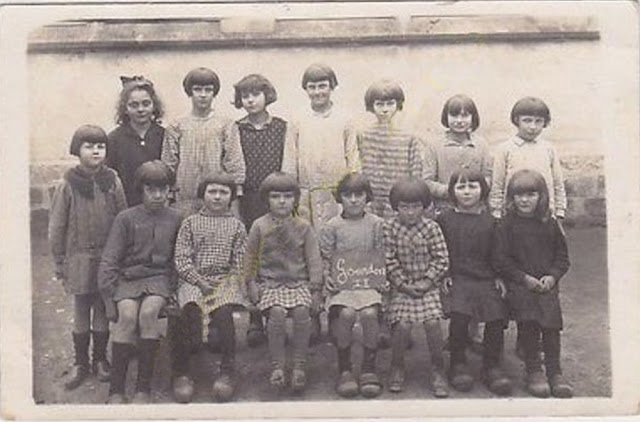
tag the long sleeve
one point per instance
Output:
(430, 173)
(184, 254)
(252, 254)
(121, 198)
(487, 165)
(395, 273)
(232, 157)
(314, 261)
(439, 262)
(112, 255)
(352, 151)
(560, 264)
(290, 153)
(415, 158)
(498, 181)
(559, 193)
(502, 259)
(238, 251)
(58, 223)
(171, 148)
(327, 243)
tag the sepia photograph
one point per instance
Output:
(319, 209)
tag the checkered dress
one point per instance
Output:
(211, 248)
(414, 254)
(384, 153)
(195, 147)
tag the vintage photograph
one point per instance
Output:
(359, 204)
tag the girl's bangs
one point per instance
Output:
(458, 106)
(525, 183)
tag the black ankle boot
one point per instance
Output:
(100, 364)
(80, 369)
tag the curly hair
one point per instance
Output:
(132, 84)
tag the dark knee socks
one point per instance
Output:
(277, 335)
(148, 349)
(492, 343)
(178, 345)
(222, 321)
(458, 328)
(100, 341)
(344, 359)
(551, 345)
(121, 353)
(81, 348)
(369, 360)
(301, 335)
(530, 340)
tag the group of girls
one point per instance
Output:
(224, 215)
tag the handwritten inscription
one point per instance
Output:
(354, 270)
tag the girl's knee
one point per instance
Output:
(347, 315)
(402, 327)
(277, 313)
(300, 314)
(369, 314)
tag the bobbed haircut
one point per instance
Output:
(467, 176)
(201, 76)
(319, 72)
(153, 173)
(91, 134)
(384, 89)
(350, 183)
(132, 84)
(527, 180)
(410, 189)
(279, 181)
(218, 178)
(530, 106)
(460, 104)
(252, 83)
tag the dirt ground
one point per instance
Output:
(585, 343)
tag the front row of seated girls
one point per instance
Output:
(213, 266)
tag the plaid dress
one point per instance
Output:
(384, 154)
(413, 254)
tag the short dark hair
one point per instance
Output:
(279, 181)
(91, 134)
(132, 84)
(353, 182)
(530, 106)
(201, 76)
(218, 178)
(154, 173)
(527, 180)
(409, 189)
(319, 72)
(384, 89)
(467, 176)
(254, 82)
(459, 104)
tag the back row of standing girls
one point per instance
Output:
(248, 150)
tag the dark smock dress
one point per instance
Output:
(126, 150)
(531, 246)
(471, 243)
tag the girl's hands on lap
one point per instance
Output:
(501, 287)
(447, 283)
(253, 292)
(330, 285)
(548, 282)
(532, 283)
(111, 310)
(206, 288)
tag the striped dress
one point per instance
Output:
(384, 154)
(211, 248)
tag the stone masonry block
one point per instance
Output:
(581, 186)
(596, 207)
(36, 197)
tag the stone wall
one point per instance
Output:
(73, 69)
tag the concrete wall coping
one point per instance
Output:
(145, 34)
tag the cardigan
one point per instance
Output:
(140, 247)
(283, 252)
